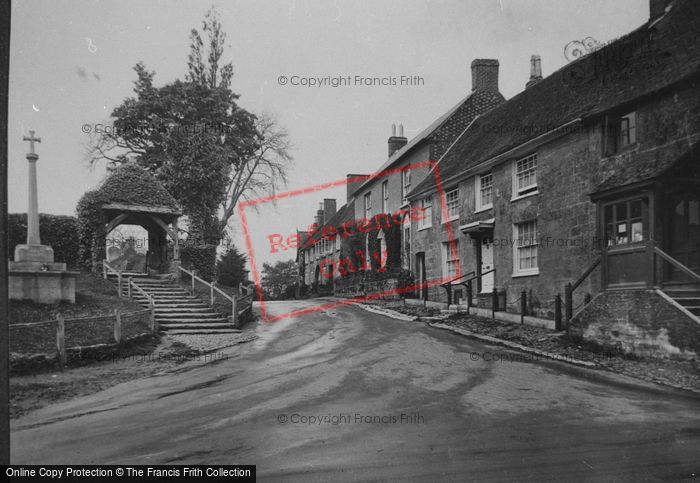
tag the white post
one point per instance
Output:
(61, 339)
(129, 282)
(117, 326)
(211, 294)
(104, 270)
(194, 272)
(234, 311)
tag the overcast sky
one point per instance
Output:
(72, 63)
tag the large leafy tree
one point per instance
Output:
(192, 135)
(279, 280)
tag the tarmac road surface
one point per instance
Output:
(350, 395)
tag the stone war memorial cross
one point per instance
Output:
(33, 274)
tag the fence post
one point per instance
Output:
(211, 294)
(119, 283)
(104, 270)
(494, 302)
(470, 294)
(152, 315)
(61, 339)
(568, 303)
(117, 326)
(194, 272)
(234, 311)
(129, 287)
(523, 306)
(557, 312)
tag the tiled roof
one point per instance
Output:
(652, 57)
(476, 102)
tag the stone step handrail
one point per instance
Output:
(235, 302)
(151, 304)
(107, 268)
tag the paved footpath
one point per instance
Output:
(350, 395)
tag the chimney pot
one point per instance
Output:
(485, 75)
(535, 71)
(396, 142)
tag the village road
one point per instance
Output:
(349, 395)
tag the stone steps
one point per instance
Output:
(176, 311)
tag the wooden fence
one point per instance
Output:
(110, 329)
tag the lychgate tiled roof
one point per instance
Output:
(654, 56)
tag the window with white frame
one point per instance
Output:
(484, 191)
(450, 256)
(385, 196)
(405, 182)
(368, 205)
(525, 176)
(452, 205)
(426, 220)
(525, 255)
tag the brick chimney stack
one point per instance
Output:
(535, 71)
(396, 142)
(320, 219)
(485, 75)
(329, 208)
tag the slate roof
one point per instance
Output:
(648, 166)
(641, 63)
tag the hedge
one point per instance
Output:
(57, 231)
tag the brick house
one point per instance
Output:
(368, 196)
(590, 176)
(407, 161)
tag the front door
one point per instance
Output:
(684, 239)
(420, 269)
(486, 265)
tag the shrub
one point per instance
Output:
(202, 258)
(230, 269)
(57, 231)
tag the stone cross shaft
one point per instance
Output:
(33, 237)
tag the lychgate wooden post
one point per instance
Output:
(119, 283)
(61, 339)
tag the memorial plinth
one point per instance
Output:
(33, 274)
